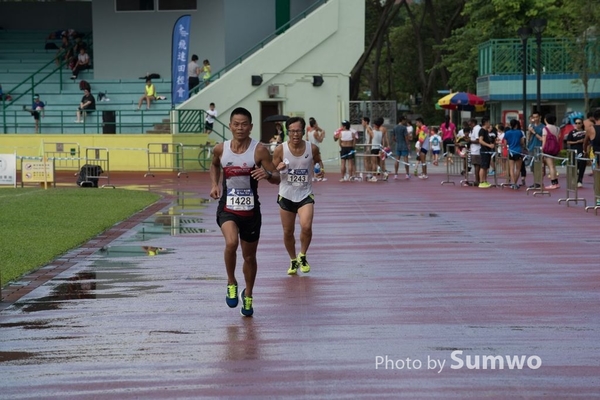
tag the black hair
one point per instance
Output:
(241, 111)
(312, 122)
(447, 121)
(420, 120)
(515, 124)
(378, 121)
(194, 57)
(293, 120)
(402, 118)
(211, 104)
(550, 118)
(366, 119)
(346, 124)
(596, 114)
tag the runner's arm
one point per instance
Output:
(215, 171)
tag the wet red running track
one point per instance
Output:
(415, 288)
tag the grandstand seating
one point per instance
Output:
(22, 54)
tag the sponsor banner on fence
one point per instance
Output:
(35, 171)
(8, 169)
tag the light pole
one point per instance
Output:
(537, 27)
(524, 33)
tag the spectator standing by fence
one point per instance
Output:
(402, 145)
(551, 129)
(193, 74)
(211, 115)
(575, 140)
(448, 130)
(36, 111)
(206, 72)
(515, 141)
(314, 133)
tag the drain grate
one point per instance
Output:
(189, 220)
(188, 230)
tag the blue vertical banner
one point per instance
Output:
(180, 51)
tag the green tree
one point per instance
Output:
(583, 41)
(379, 17)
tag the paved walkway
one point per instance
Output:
(414, 286)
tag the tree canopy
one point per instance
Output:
(414, 48)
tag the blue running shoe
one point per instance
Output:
(246, 309)
(232, 295)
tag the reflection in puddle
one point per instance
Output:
(132, 251)
(167, 223)
(86, 286)
(80, 286)
(243, 342)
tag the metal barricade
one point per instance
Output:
(196, 157)
(501, 170)
(572, 180)
(538, 174)
(97, 166)
(165, 157)
(454, 164)
(66, 155)
(596, 174)
(367, 164)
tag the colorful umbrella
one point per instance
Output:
(462, 101)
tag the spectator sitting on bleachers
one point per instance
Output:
(149, 95)
(6, 97)
(87, 105)
(75, 51)
(63, 51)
(36, 110)
(83, 62)
(69, 33)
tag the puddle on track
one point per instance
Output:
(89, 285)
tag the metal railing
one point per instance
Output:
(105, 120)
(259, 46)
(505, 57)
(192, 121)
(572, 188)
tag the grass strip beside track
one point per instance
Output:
(39, 225)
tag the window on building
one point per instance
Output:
(169, 5)
(151, 5)
(134, 5)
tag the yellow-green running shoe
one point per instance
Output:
(246, 309)
(293, 267)
(232, 295)
(304, 267)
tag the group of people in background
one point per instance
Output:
(480, 143)
(516, 146)
(195, 72)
